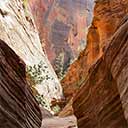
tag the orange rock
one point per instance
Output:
(101, 101)
(107, 16)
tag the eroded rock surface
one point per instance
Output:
(102, 100)
(107, 17)
(63, 26)
(18, 107)
(19, 32)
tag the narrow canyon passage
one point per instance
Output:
(64, 64)
(63, 27)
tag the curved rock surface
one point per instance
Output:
(63, 26)
(18, 107)
(19, 32)
(102, 100)
(107, 17)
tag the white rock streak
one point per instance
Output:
(21, 35)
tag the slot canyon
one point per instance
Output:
(64, 64)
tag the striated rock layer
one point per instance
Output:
(63, 26)
(107, 17)
(18, 107)
(102, 101)
(19, 32)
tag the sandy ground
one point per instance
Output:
(57, 122)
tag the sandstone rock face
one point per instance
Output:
(18, 107)
(19, 32)
(63, 26)
(102, 101)
(107, 17)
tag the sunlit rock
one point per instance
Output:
(19, 32)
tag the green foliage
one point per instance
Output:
(38, 73)
(35, 73)
(25, 4)
(59, 63)
(56, 109)
(42, 101)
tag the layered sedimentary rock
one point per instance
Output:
(18, 107)
(102, 100)
(107, 17)
(63, 26)
(19, 32)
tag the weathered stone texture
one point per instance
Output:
(18, 107)
(63, 27)
(108, 14)
(102, 99)
(19, 32)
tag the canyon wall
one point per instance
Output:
(63, 25)
(102, 100)
(107, 17)
(19, 32)
(18, 107)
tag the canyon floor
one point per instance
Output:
(58, 122)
